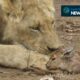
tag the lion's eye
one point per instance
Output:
(36, 28)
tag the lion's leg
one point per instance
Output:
(16, 56)
(13, 56)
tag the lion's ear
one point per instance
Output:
(9, 5)
(6, 5)
(12, 9)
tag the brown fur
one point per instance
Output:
(69, 62)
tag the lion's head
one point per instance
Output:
(34, 27)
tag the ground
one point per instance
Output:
(69, 30)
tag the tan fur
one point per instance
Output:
(37, 14)
(30, 23)
(17, 56)
(11, 9)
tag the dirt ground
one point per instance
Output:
(68, 29)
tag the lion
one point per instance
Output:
(30, 23)
(29, 33)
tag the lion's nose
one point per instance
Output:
(52, 49)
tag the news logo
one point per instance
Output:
(66, 10)
(70, 10)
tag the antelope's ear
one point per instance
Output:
(68, 51)
(68, 54)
